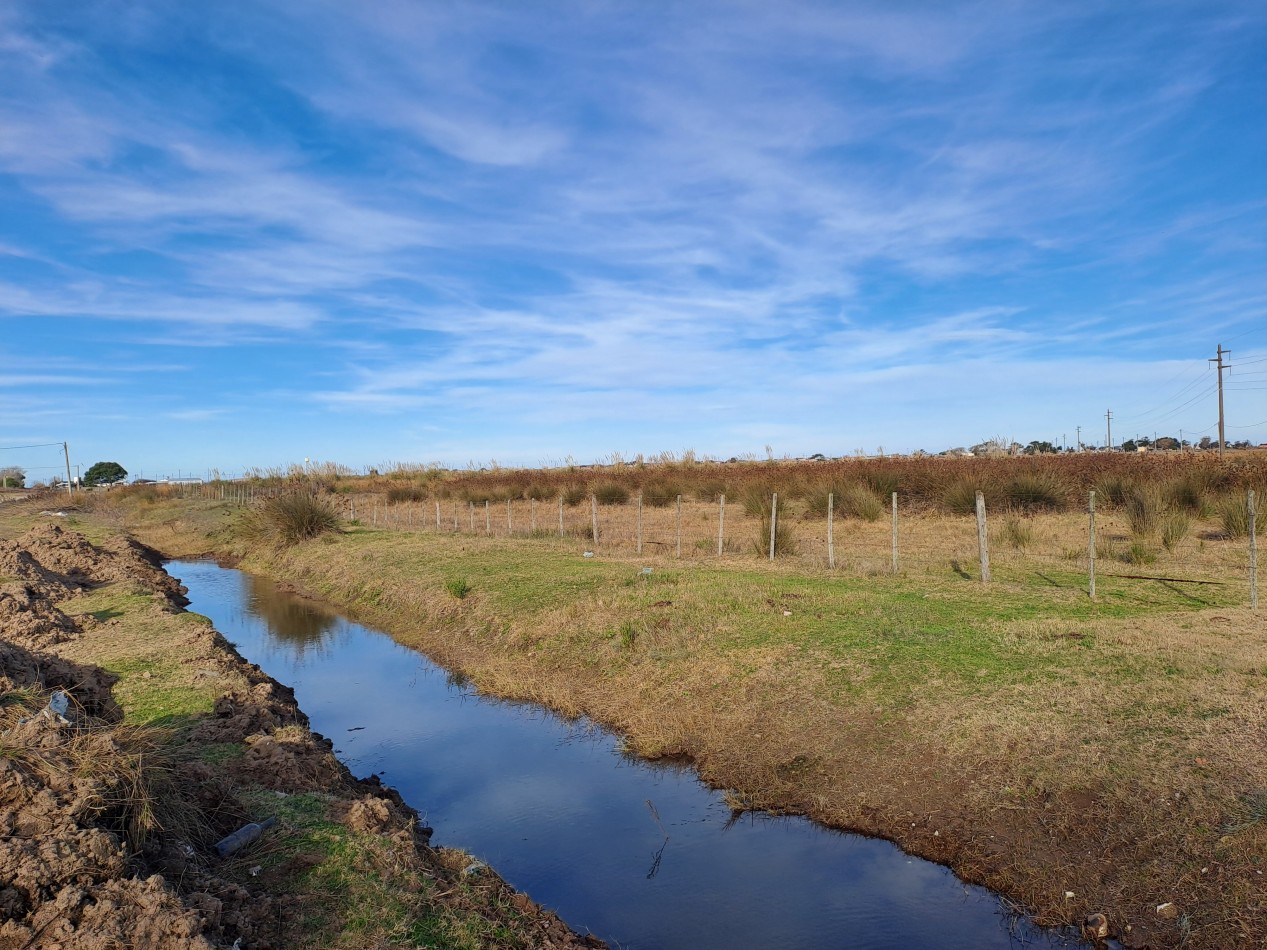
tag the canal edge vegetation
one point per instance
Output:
(172, 741)
(1080, 757)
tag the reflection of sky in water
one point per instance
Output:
(556, 809)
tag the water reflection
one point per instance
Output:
(643, 855)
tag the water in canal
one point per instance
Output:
(641, 855)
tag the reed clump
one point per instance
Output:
(289, 519)
(1234, 514)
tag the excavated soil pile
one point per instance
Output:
(108, 831)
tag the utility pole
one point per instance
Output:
(70, 490)
(1079, 438)
(1221, 366)
(1108, 430)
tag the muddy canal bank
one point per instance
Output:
(135, 737)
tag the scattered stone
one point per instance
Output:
(1167, 911)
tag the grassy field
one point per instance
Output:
(1080, 756)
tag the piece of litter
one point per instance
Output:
(588, 554)
(255, 871)
(1068, 895)
(645, 570)
(787, 613)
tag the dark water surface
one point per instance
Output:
(642, 855)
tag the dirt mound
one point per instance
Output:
(59, 562)
(28, 616)
(71, 798)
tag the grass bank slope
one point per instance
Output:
(1081, 757)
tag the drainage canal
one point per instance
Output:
(639, 854)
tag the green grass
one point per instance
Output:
(358, 894)
(904, 630)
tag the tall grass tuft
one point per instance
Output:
(1234, 513)
(611, 493)
(574, 494)
(660, 493)
(1113, 489)
(1017, 532)
(1042, 490)
(288, 519)
(1174, 528)
(710, 489)
(960, 496)
(539, 491)
(755, 498)
(1190, 491)
(784, 536)
(882, 484)
(402, 493)
(860, 502)
(1144, 509)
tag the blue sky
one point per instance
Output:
(244, 234)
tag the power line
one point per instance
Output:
(38, 445)
(1162, 405)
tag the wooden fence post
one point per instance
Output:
(679, 526)
(437, 516)
(983, 548)
(488, 519)
(510, 527)
(721, 526)
(774, 520)
(831, 539)
(1091, 545)
(560, 514)
(640, 524)
(594, 518)
(532, 516)
(472, 506)
(894, 532)
(1253, 551)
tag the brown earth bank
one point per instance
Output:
(108, 826)
(1172, 856)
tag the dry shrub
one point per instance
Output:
(574, 494)
(539, 491)
(289, 519)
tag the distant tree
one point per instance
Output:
(105, 473)
(1130, 445)
(1166, 442)
(1040, 448)
(1206, 443)
(12, 477)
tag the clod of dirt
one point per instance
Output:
(369, 815)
